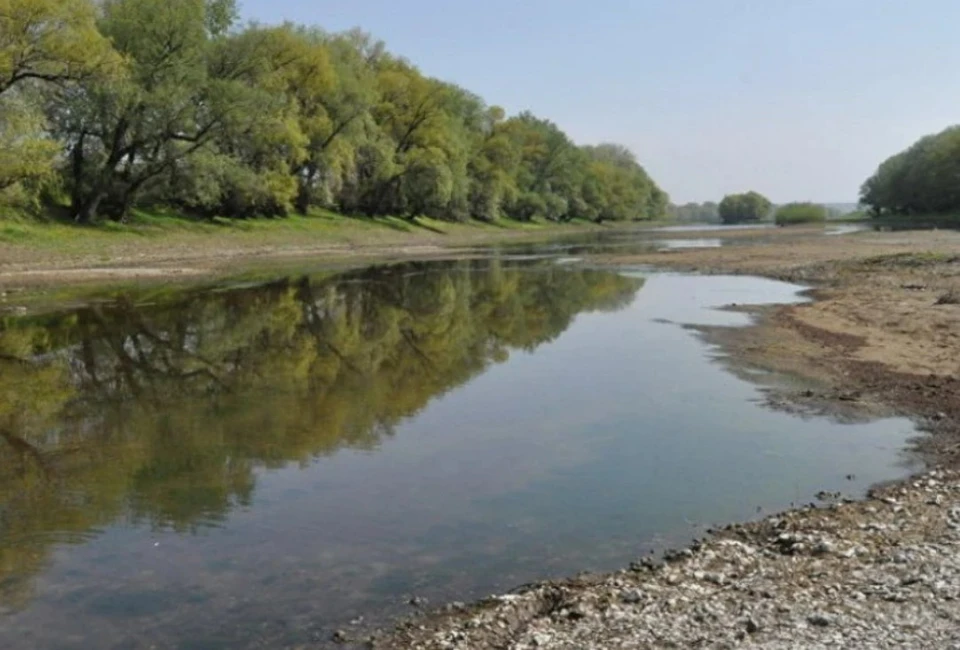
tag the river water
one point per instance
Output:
(259, 465)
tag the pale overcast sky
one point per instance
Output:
(797, 99)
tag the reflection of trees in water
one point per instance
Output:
(160, 414)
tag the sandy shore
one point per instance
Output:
(882, 335)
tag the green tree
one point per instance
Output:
(171, 104)
(336, 118)
(251, 166)
(747, 207)
(51, 41)
(493, 167)
(620, 189)
(796, 213)
(695, 212)
(124, 135)
(415, 170)
(27, 154)
(919, 181)
(44, 45)
(550, 172)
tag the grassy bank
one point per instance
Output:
(162, 244)
(322, 225)
(949, 221)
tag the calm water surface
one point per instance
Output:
(261, 465)
(676, 244)
(688, 227)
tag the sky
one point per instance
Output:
(796, 99)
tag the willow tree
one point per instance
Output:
(334, 110)
(124, 134)
(412, 114)
(44, 45)
(494, 161)
(51, 41)
(128, 103)
(618, 187)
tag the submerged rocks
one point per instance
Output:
(883, 573)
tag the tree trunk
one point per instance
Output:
(86, 210)
(305, 187)
(127, 201)
(76, 170)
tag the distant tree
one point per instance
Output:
(694, 212)
(796, 213)
(919, 181)
(746, 207)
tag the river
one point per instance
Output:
(259, 464)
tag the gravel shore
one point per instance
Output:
(879, 573)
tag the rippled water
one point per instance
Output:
(260, 465)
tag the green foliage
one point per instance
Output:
(919, 181)
(796, 213)
(27, 155)
(51, 41)
(747, 207)
(619, 188)
(695, 212)
(167, 103)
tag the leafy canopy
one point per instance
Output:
(746, 207)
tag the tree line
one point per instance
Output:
(708, 211)
(922, 180)
(751, 207)
(112, 105)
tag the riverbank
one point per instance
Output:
(883, 334)
(166, 248)
(881, 573)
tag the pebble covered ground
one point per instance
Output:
(879, 573)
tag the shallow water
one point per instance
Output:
(263, 464)
(720, 227)
(847, 228)
(620, 243)
(678, 244)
